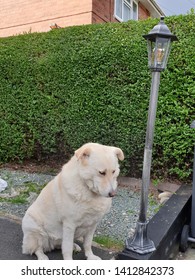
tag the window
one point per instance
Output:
(126, 10)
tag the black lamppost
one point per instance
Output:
(159, 42)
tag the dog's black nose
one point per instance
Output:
(111, 194)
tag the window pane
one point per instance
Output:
(134, 11)
(119, 8)
(126, 13)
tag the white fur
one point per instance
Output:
(73, 203)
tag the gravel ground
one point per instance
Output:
(117, 224)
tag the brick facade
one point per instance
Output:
(37, 15)
(143, 13)
(103, 11)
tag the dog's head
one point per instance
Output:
(99, 168)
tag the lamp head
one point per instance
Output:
(159, 43)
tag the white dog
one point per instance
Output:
(73, 203)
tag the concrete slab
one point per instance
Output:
(167, 186)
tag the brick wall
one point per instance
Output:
(143, 13)
(103, 11)
(18, 16)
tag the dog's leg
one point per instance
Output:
(67, 242)
(40, 254)
(87, 245)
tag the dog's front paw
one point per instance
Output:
(93, 257)
(76, 248)
(41, 256)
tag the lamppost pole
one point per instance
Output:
(148, 145)
(140, 241)
(159, 40)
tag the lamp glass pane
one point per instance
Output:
(160, 53)
(151, 46)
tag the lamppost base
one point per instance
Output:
(140, 243)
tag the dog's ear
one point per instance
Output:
(119, 153)
(82, 153)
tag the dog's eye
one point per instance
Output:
(113, 171)
(103, 173)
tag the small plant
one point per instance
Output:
(153, 203)
(131, 212)
(30, 187)
(156, 182)
(109, 242)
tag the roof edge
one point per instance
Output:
(153, 8)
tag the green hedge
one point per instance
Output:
(66, 87)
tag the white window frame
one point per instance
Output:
(129, 4)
